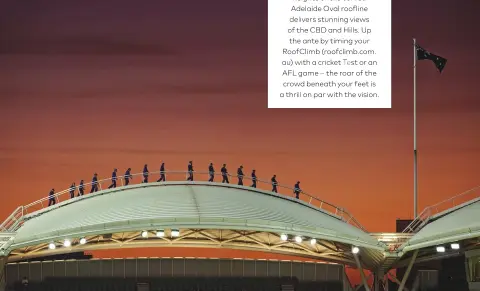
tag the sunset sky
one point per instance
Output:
(86, 86)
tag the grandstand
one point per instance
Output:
(203, 214)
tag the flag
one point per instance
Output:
(423, 54)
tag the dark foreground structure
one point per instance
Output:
(177, 274)
(179, 284)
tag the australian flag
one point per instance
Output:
(423, 54)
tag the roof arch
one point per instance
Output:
(460, 223)
(187, 205)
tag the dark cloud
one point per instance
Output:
(84, 45)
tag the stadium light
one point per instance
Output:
(144, 234)
(355, 250)
(175, 232)
(83, 241)
(283, 237)
(313, 241)
(455, 246)
(51, 246)
(298, 239)
(160, 233)
(440, 249)
(67, 243)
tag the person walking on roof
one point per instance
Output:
(145, 173)
(127, 176)
(297, 190)
(162, 173)
(274, 184)
(80, 188)
(240, 175)
(190, 171)
(114, 179)
(94, 183)
(51, 197)
(211, 172)
(254, 179)
(72, 190)
(224, 174)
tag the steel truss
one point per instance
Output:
(207, 238)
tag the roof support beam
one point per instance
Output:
(409, 269)
(202, 238)
(362, 275)
(395, 279)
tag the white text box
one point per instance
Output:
(329, 54)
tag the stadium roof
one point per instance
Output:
(188, 205)
(192, 205)
(459, 224)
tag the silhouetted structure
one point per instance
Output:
(181, 284)
(69, 256)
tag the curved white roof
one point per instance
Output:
(463, 223)
(186, 205)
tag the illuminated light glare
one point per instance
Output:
(386, 239)
(83, 241)
(144, 234)
(440, 249)
(160, 233)
(67, 243)
(455, 246)
(283, 237)
(355, 250)
(51, 246)
(298, 239)
(313, 241)
(175, 232)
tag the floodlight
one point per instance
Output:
(440, 249)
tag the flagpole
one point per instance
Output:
(415, 170)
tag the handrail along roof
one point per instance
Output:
(15, 220)
(443, 207)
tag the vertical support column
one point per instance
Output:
(3, 273)
(469, 268)
(377, 279)
(362, 275)
(472, 258)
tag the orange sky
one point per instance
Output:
(79, 94)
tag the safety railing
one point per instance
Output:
(15, 219)
(442, 207)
